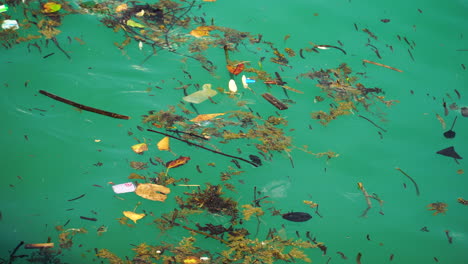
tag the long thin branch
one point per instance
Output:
(409, 177)
(200, 146)
(54, 39)
(372, 122)
(83, 107)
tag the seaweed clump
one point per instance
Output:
(164, 119)
(343, 88)
(212, 201)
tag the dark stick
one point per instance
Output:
(76, 198)
(88, 218)
(83, 107)
(449, 238)
(358, 258)
(12, 255)
(372, 122)
(409, 177)
(48, 55)
(212, 150)
(274, 101)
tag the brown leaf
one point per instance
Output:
(178, 162)
(152, 192)
(202, 31)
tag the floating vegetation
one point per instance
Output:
(438, 208)
(181, 28)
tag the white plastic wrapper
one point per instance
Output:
(124, 187)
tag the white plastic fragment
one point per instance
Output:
(232, 86)
(10, 24)
(124, 187)
(200, 96)
(140, 45)
(244, 82)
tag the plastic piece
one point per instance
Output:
(250, 80)
(200, 96)
(10, 24)
(124, 187)
(3, 8)
(232, 86)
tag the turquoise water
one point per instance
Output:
(51, 150)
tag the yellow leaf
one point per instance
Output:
(121, 8)
(152, 192)
(202, 31)
(205, 117)
(139, 148)
(51, 7)
(133, 216)
(163, 144)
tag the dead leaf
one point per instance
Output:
(201, 31)
(140, 148)
(205, 117)
(136, 176)
(152, 192)
(163, 144)
(51, 7)
(133, 216)
(177, 163)
(236, 69)
(121, 8)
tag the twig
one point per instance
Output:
(372, 122)
(54, 39)
(409, 177)
(367, 197)
(382, 65)
(83, 107)
(12, 254)
(76, 198)
(212, 150)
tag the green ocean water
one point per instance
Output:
(50, 150)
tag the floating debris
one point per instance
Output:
(297, 216)
(449, 152)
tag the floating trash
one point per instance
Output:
(3, 8)
(200, 96)
(124, 187)
(449, 152)
(10, 24)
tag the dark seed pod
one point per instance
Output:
(297, 216)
